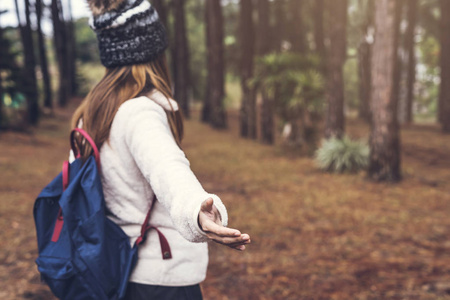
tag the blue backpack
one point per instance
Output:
(82, 253)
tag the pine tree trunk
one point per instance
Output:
(444, 93)
(297, 26)
(385, 136)
(279, 29)
(267, 119)
(398, 67)
(30, 69)
(247, 49)
(214, 110)
(411, 73)
(1, 81)
(206, 109)
(263, 48)
(263, 27)
(161, 8)
(364, 58)
(60, 43)
(319, 36)
(43, 58)
(71, 54)
(182, 74)
(297, 37)
(335, 62)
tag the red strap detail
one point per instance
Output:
(60, 220)
(58, 226)
(65, 174)
(165, 248)
(89, 140)
(145, 226)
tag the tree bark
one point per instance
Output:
(30, 69)
(411, 71)
(279, 29)
(364, 57)
(71, 53)
(247, 49)
(43, 58)
(335, 62)
(263, 27)
(181, 74)
(1, 80)
(319, 36)
(297, 37)
(398, 67)
(385, 136)
(206, 110)
(297, 26)
(444, 93)
(214, 110)
(263, 48)
(60, 43)
(161, 8)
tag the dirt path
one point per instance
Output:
(315, 235)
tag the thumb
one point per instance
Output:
(207, 205)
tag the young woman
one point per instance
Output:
(138, 128)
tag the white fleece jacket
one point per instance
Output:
(140, 159)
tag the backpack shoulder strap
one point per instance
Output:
(165, 248)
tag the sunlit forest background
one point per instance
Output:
(323, 124)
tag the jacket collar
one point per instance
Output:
(159, 98)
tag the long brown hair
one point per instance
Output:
(118, 85)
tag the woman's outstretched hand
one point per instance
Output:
(211, 223)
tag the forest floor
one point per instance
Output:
(314, 235)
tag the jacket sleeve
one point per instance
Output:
(166, 168)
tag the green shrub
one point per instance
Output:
(342, 155)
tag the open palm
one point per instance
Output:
(211, 223)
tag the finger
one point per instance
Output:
(207, 205)
(240, 240)
(237, 246)
(231, 241)
(240, 248)
(219, 230)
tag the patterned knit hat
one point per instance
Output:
(128, 31)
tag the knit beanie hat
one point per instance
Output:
(128, 31)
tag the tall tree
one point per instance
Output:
(161, 8)
(43, 58)
(411, 67)
(279, 27)
(247, 53)
(213, 109)
(385, 136)
(297, 37)
(336, 56)
(2, 55)
(29, 70)
(71, 53)
(263, 48)
(444, 93)
(181, 58)
(364, 57)
(297, 30)
(60, 43)
(398, 67)
(263, 27)
(319, 36)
